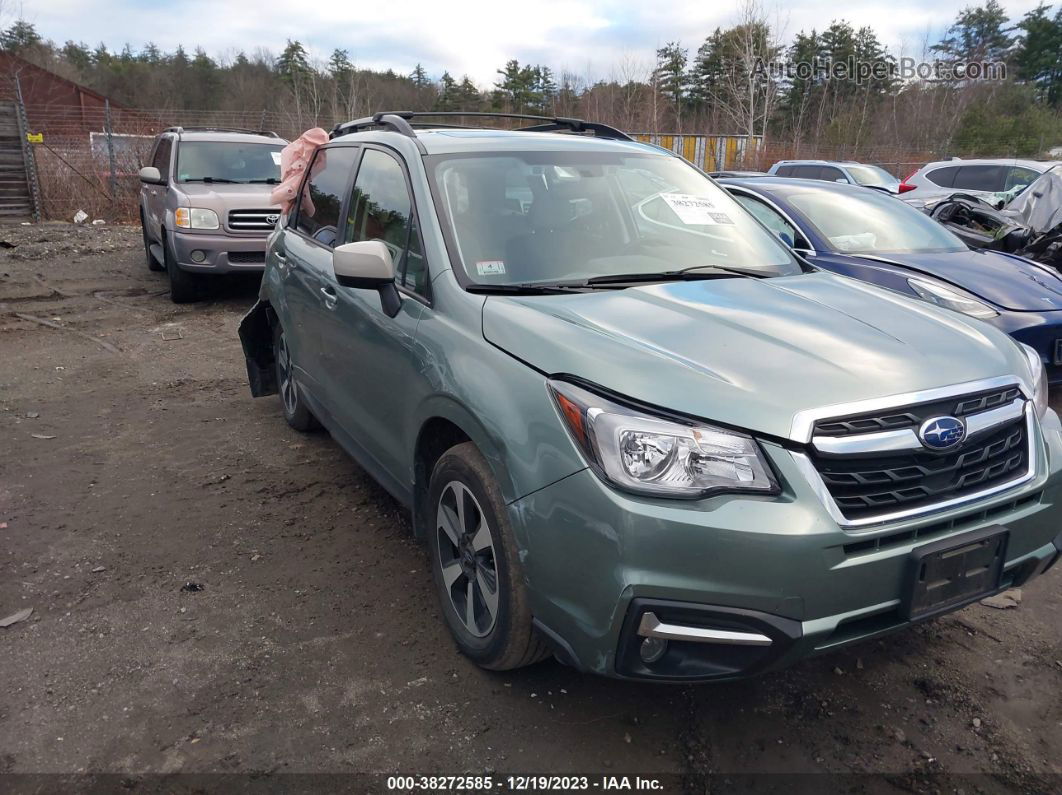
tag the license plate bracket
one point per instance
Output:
(954, 571)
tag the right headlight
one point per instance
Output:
(644, 454)
(196, 218)
(951, 298)
(1039, 378)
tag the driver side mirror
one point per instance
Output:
(151, 175)
(367, 265)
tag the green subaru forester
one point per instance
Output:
(634, 429)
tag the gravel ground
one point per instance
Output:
(133, 462)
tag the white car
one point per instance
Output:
(976, 177)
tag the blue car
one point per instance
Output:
(871, 236)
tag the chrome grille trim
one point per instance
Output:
(252, 220)
(804, 421)
(811, 474)
(907, 439)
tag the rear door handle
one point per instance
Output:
(329, 297)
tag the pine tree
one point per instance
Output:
(20, 36)
(419, 76)
(978, 34)
(1038, 56)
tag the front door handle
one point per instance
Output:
(329, 297)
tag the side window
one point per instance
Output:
(381, 209)
(1018, 177)
(785, 171)
(806, 172)
(772, 220)
(831, 174)
(161, 158)
(944, 177)
(989, 178)
(322, 195)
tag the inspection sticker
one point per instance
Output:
(694, 210)
(490, 267)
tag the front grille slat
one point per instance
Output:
(252, 220)
(868, 485)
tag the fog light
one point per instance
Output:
(198, 256)
(652, 649)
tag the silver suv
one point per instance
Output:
(205, 204)
(976, 177)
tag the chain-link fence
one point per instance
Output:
(89, 157)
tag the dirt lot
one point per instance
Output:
(133, 461)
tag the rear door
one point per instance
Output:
(372, 367)
(305, 257)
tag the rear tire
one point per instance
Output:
(296, 413)
(185, 287)
(474, 564)
(152, 263)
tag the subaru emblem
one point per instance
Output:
(942, 433)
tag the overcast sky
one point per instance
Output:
(589, 37)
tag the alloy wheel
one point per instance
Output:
(288, 391)
(467, 558)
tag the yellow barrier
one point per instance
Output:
(709, 152)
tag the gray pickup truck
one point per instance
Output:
(205, 204)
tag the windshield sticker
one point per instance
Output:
(276, 157)
(694, 210)
(490, 267)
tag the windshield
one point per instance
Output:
(873, 222)
(227, 161)
(547, 216)
(871, 175)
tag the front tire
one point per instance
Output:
(474, 563)
(296, 413)
(185, 287)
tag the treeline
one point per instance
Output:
(740, 80)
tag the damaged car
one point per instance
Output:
(633, 428)
(869, 236)
(1029, 225)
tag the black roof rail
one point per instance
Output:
(179, 130)
(404, 122)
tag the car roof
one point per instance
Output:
(236, 137)
(1037, 165)
(821, 163)
(483, 139)
(787, 186)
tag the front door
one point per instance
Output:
(305, 257)
(155, 195)
(374, 378)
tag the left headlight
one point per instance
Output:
(950, 298)
(651, 455)
(196, 218)
(1039, 378)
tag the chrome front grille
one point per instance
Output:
(871, 466)
(253, 220)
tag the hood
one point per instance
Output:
(1009, 282)
(228, 197)
(750, 352)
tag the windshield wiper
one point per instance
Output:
(694, 273)
(210, 179)
(518, 289)
(266, 181)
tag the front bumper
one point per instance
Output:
(219, 253)
(597, 560)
